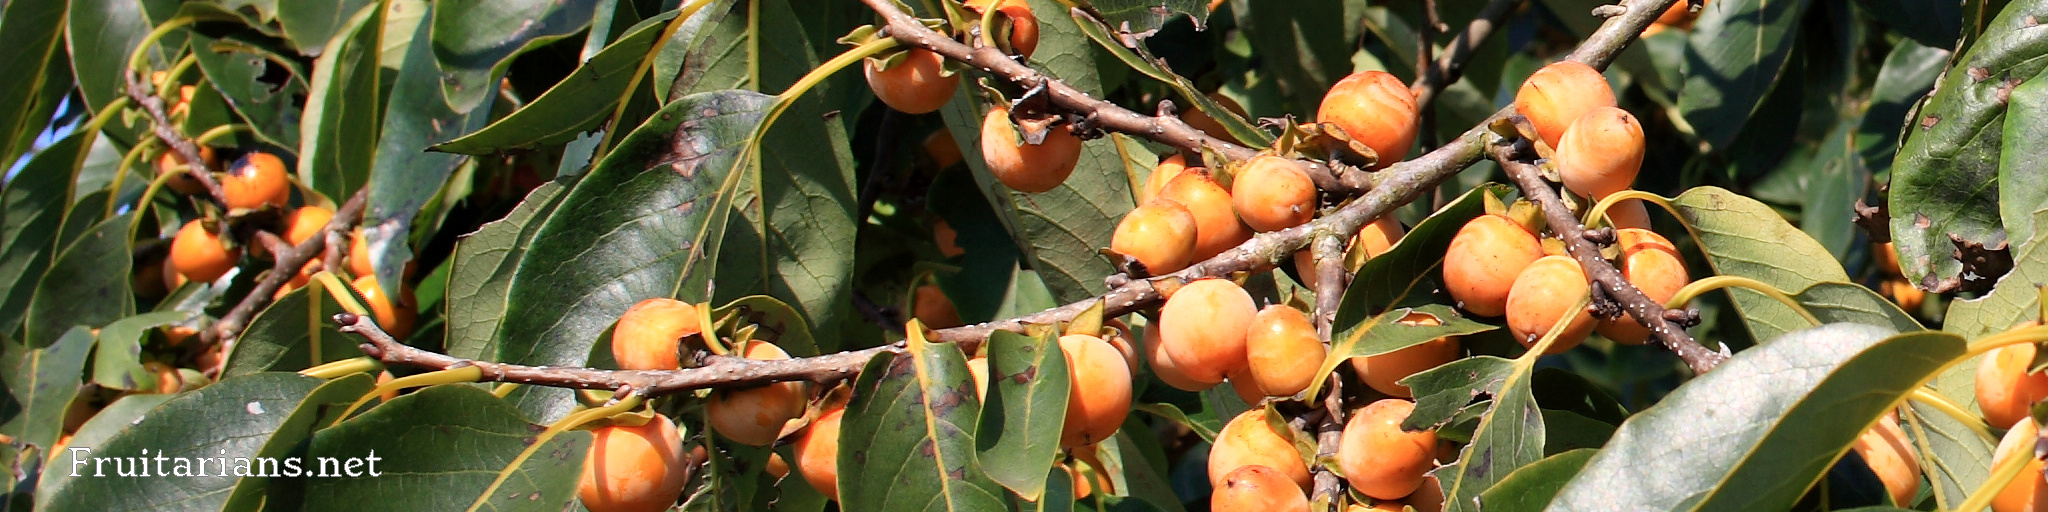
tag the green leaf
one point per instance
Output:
(340, 142)
(404, 176)
(1141, 59)
(1407, 273)
(1836, 181)
(1737, 51)
(1944, 182)
(1908, 74)
(265, 415)
(778, 323)
(120, 416)
(2017, 298)
(87, 284)
(1443, 391)
(482, 271)
(433, 460)
(1933, 24)
(1143, 16)
(1762, 427)
(639, 225)
(1361, 337)
(41, 383)
(30, 31)
(118, 362)
(1509, 436)
(311, 26)
(2017, 164)
(32, 208)
(708, 53)
(1019, 430)
(237, 66)
(1954, 456)
(578, 103)
(1743, 237)
(1304, 47)
(475, 41)
(293, 334)
(908, 441)
(1531, 487)
(107, 30)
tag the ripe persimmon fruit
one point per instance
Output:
(1556, 95)
(1375, 108)
(1271, 193)
(198, 255)
(649, 335)
(634, 468)
(1031, 168)
(917, 84)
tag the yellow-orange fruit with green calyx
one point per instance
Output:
(1890, 455)
(917, 84)
(2005, 390)
(1164, 367)
(1601, 152)
(2024, 492)
(1100, 395)
(634, 468)
(1374, 108)
(1249, 440)
(1203, 326)
(1217, 227)
(1283, 350)
(256, 180)
(1247, 389)
(1652, 265)
(817, 452)
(395, 316)
(198, 255)
(934, 309)
(755, 415)
(649, 336)
(1271, 193)
(1543, 296)
(305, 223)
(167, 378)
(1023, 24)
(1163, 173)
(1484, 258)
(1384, 372)
(1031, 168)
(1257, 489)
(1378, 458)
(1556, 95)
(1159, 234)
(183, 182)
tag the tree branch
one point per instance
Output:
(160, 124)
(1451, 65)
(1511, 156)
(1396, 185)
(289, 260)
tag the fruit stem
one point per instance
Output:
(1693, 290)
(1927, 396)
(141, 52)
(504, 389)
(449, 376)
(988, 24)
(163, 90)
(106, 113)
(2034, 334)
(630, 401)
(121, 173)
(343, 368)
(206, 139)
(1598, 213)
(2001, 475)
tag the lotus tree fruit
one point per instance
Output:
(1217, 227)
(1378, 458)
(255, 181)
(649, 335)
(634, 468)
(1257, 489)
(1203, 327)
(755, 415)
(2005, 389)
(1099, 394)
(817, 452)
(1484, 258)
(916, 84)
(1543, 295)
(1601, 152)
(1384, 372)
(1249, 440)
(1375, 108)
(1160, 235)
(1555, 96)
(198, 254)
(1652, 265)
(1027, 167)
(1282, 350)
(1271, 193)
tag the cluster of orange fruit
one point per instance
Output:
(2006, 393)
(1894, 282)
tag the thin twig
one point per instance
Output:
(160, 124)
(1451, 65)
(289, 260)
(1512, 157)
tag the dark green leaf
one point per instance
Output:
(1762, 427)
(908, 442)
(1737, 51)
(238, 67)
(1361, 337)
(1443, 391)
(31, 33)
(1566, 431)
(1953, 455)
(41, 384)
(118, 362)
(340, 134)
(87, 284)
(475, 41)
(1152, 67)
(579, 103)
(483, 266)
(1932, 24)
(1837, 180)
(1531, 487)
(708, 53)
(1143, 16)
(311, 25)
(1509, 436)
(405, 176)
(1908, 74)
(1019, 430)
(639, 225)
(32, 210)
(433, 460)
(264, 415)
(1944, 180)
(1743, 237)
(292, 334)
(1304, 47)
(109, 30)
(118, 417)
(2019, 165)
